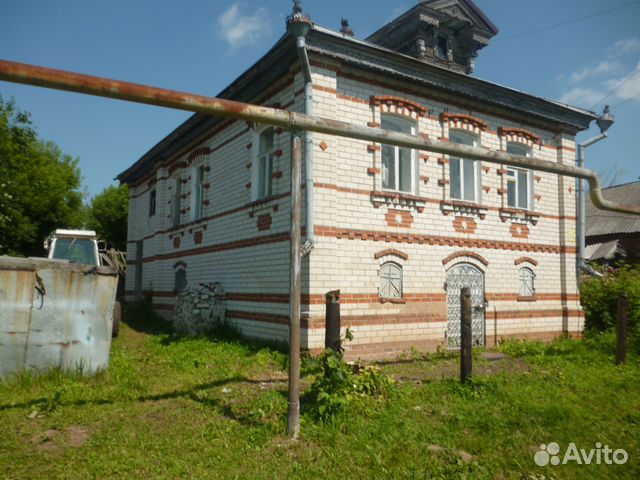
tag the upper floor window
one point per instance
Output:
(390, 280)
(519, 181)
(464, 174)
(527, 279)
(442, 47)
(176, 202)
(152, 203)
(398, 163)
(199, 192)
(264, 180)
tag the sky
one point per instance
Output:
(201, 46)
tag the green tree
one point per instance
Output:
(39, 185)
(107, 215)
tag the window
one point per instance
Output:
(390, 280)
(527, 278)
(180, 280)
(442, 47)
(265, 164)
(464, 174)
(152, 203)
(398, 164)
(519, 181)
(199, 193)
(177, 199)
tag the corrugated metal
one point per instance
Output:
(54, 315)
(603, 251)
(601, 222)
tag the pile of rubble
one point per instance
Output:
(200, 309)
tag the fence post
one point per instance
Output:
(332, 321)
(623, 323)
(465, 335)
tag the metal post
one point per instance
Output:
(332, 321)
(294, 299)
(465, 334)
(623, 322)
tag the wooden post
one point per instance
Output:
(332, 321)
(465, 335)
(623, 323)
(293, 416)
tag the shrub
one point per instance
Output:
(600, 300)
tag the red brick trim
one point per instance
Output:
(406, 219)
(547, 297)
(400, 103)
(264, 222)
(277, 175)
(464, 119)
(532, 298)
(373, 148)
(519, 230)
(198, 152)
(519, 132)
(421, 239)
(466, 225)
(198, 237)
(373, 125)
(180, 264)
(456, 255)
(442, 182)
(391, 251)
(522, 260)
(373, 171)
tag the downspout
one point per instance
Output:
(308, 141)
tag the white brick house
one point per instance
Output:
(398, 232)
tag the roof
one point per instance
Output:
(601, 222)
(604, 251)
(275, 65)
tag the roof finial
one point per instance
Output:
(297, 6)
(346, 29)
(298, 19)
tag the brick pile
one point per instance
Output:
(200, 309)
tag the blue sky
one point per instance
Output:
(202, 46)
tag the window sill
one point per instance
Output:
(392, 198)
(518, 214)
(526, 299)
(460, 207)
(396, 301)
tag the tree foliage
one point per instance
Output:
(39, 185)
(107, 215)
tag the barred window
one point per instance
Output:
(390, 280)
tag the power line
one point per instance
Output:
(567, 22)
(626, 101)
(633, 74)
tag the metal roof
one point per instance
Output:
(600, 222)
(604, 251)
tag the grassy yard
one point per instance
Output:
(215, 408)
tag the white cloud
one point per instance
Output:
(626, 87)
(239, 29)
(584, 97)
(605, 67)
(624, 46)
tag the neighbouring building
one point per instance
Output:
(397, 231)
(612, 236)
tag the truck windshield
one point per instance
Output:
(75, 250)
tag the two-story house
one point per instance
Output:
(397, 231)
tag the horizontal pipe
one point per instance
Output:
(103, 87)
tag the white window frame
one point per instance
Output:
(263, 165)
(396, 160)
(514, 179)
(176, 214)
(527, 282)
(476, 169)
(384, 280)
(197, 206)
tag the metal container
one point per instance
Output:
(55, 315)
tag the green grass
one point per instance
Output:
(175, 407)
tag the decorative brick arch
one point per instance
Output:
(462, 121)
(176, 166)
(391, 252)
(180, 264)
(522, 260)
(456, 255)
(518, 135)
(197, 153)
(399, 106)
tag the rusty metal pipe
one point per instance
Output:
(102, 87)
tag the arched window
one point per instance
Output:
(527, 282)
(464, 173)
(519, 181)
(180, 280)
(390, 280)
(263, 164)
